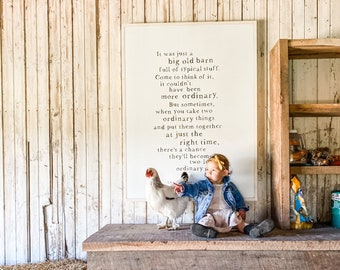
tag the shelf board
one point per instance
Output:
(314, 169)
(314, 110)
(313, 48)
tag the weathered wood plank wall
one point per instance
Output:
(61, 132)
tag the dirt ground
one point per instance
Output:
(62, 264)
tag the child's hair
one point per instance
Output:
(221, 160)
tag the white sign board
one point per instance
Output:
(190, 90)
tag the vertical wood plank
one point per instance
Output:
(2, 182)
(79, 125)
(104, 113)
(163, 11)
(128, 206)
(149, 15)
(236, 10)
(43, 125)
(311, 15)
(279, 114)
(335, 19)
(67, 131)
(32, 128)
(273, 24)
(36, 241)
(160, 14)
(199, 10)
(14, 138)
(253, 215)
(261, 208)
(324, 86)
(313, 187)
(55, 234)
(20, 131)
(187, 10)
(8, 138)
(211, 11)
(298, 19)
(175, 11)
(223, 10)
(248, 10)
(285, 19)
(323, 18)
(116, 132)
(150, 11)
(138, 8)
(91, 114)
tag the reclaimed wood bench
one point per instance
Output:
(143, 246)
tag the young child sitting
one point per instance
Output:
(219, 204)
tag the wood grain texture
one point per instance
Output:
(314, 110)
(245, 259)
(279, 136)
(149, 238)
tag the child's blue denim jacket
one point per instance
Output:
(202, 192)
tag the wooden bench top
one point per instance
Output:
(146, 237)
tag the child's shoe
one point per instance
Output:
(202, 231)
(264, 227)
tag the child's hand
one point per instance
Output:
(178, 188)
(242, 214)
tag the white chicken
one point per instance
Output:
(163, 199)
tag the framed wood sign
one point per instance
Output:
(190, 90)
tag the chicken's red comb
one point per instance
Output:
(148, 173)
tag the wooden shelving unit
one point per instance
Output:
(314, 110)
(315, 170)
(281, 110)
